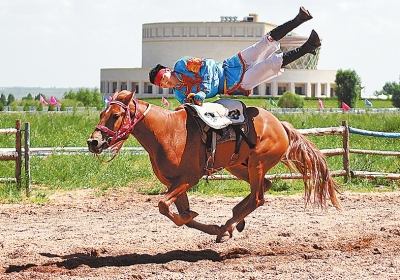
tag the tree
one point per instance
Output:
(290, 100)
(37, 97)
(10, 99)
(3, 99)
(89, 98)
(40, 107)
(28, 97)
(348, 87)
(70, 94)
(393, 89)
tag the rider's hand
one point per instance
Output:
(190, 98)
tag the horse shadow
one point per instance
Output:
(94, 261)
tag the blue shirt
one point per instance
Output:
(207, 77)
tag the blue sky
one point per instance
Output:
(65, 43)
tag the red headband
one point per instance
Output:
(159, 75)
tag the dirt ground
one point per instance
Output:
(122, 236)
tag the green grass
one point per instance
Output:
(56, 173)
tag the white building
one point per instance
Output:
(167, 42)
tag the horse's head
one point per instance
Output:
(115, 123)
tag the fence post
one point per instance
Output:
(27, 158)
(346, 148)
(18, 162)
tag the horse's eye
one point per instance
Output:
(115, 116)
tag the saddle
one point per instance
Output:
(220, 121)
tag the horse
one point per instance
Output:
(178, 157)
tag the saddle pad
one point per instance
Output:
(221, 113)
(213, 114)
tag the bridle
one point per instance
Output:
(117, 138)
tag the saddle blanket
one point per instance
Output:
(221, 113)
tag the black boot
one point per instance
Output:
(280, 31)
(312, 43)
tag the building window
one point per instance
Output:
(214, 32)
(135, 87)
(160, 90)
(281, 90)
(267, 89)
(227, 31)
(148, 88)
(299, 90)
(323, 89)
(255, 91)
(115, 87)
(170, 91)
(167, 31)
(176, 31)
(201, 31)
(124, 86)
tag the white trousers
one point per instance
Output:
(261, 61)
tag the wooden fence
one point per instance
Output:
(344, 130)
(18, 154)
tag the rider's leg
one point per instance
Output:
(280, 31)
(312, 43)
(269, 42)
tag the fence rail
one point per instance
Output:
(344, 130)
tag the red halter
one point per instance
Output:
(118, 137)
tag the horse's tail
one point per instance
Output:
(311, 163)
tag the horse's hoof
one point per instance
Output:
(223, 234)
(223, 237)
(240, 226)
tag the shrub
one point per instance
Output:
(290, 100)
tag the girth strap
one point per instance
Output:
(211, 147)
(239, 137)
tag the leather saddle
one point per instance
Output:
(220, 121)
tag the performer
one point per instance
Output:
(194, 79)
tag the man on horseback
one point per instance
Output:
(194, 79)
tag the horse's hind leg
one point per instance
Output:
(257, 168)
(241, 172)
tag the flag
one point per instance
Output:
(345, 107)
(368, 103)
(105, 100)
(53, 101)
(164, 101)
(44, 102)
(320, 104)
(272, 102)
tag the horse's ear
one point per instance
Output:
(115, 94)
(128, 96)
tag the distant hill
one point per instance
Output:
(20, 92)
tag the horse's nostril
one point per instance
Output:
(93, 142)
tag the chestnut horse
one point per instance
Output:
(178, 156)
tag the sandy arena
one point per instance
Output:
(122, 236)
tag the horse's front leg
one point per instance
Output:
(182, 204)
(171, 196)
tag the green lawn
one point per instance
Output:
(60, 172)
